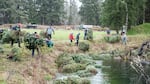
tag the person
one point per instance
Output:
(71, 37)
(85, 33)
(33, 50)
(36, 35)
(49, 43)
(19, 25)
(14, 27)
(108, 31)
(17, 31)
(34, 45)
(77, 39)
(49, 32)
(124, 38)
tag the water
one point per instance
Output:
(113, 72)
(99, 78)
(120, 73)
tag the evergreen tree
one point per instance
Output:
(90, 12)
(113, 14)
(73, 13)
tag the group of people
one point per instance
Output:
(48, 40)
(50, 31)
(71, 38)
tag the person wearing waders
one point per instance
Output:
(77, 39)
(49, 32)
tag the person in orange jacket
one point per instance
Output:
(71, 37)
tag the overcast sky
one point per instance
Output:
(78, 3)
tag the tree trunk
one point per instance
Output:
(143, 13)
(127, 17)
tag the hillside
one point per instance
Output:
(140, 29)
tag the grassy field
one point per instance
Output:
(63, 34)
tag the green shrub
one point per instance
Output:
(112, 39)
(84, 46)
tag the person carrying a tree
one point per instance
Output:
(16, 33)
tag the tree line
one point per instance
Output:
(115, 13)
(32, 11)
(110, 13)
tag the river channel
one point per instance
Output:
(112, 72)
